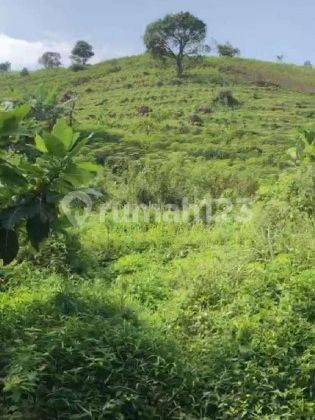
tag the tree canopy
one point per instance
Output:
(82, 52)
(50, 60)
(5, 67)
(176, 36)
(227, 50)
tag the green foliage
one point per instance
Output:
(227, 50)
(77, 67)
(9, 245)
(33, 187)
(37, 228)
(47, 109)
(154, 318)
(50, 60)
(305, 148)
(10, 123)
(177, 327)
(24, 72)
(308, 64)
(176, 36)
(81, 53)
(5, 67)
(226, 98)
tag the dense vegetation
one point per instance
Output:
(153, 318)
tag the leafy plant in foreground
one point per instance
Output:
(33, 184)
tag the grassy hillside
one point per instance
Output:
(184, 124)
(159, 319)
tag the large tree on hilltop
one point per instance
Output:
(82, 52)
(176, 36)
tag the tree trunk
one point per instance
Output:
(180, 67)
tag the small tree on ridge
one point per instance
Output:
(308, 64)
(50, 60)
(227, 50)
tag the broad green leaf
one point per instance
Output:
(22, 111)
(64, 133)
(9, 245)
(11, 176)
(8, 124)
(40, 144)
(9, 121)
(79, 144)
(308, 136)
(77, 175)
(89, 166)
(54, 145)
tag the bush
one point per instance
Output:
(61, 253)
(24, 72)
(226, 98)
(196, 120)
(5, 67)
(227, 50)
(144, 110)
(78, 67)
(205, 110)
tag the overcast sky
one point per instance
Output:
(262, 29)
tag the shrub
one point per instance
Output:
(227, 50)
(144, 110)
(5, 67)
(24, 72)
(226, 98)
(195, 120)
(205, 110)
(78, 67)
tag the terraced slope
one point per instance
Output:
(139, 109)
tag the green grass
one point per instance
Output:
(158, 320)
(247, 143)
